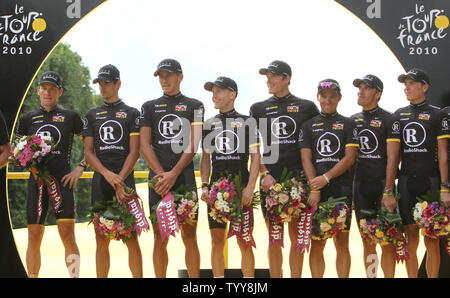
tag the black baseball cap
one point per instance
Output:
(416, 74)
(371, 81)
(51, 77)
(108, 73)
(329, 84)
(222, 82)
(277, 67)
(169, 65)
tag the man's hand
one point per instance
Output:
(71, 179)
(247, 196)
(445, 199)
(318, 182)
(267, 182)
(205, 194)
(389, 202)
(121, 195)
(313, 199)
(165, 183)
(35, 173)
(114, 179)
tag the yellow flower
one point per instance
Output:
(290, 210)
(277, 187)
(424, 205)
(331, 221)
(325, 226)
(379, 234)
(216, 204)
(226, 195)
(383, 243)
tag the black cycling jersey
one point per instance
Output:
(279, 121)
(171, 118)
(111, 125)
(446, 111)
(373, 127)
(61, 125)
(4, 136)
(417, 128)
(229, 137)
(327, 135)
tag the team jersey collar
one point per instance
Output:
(228, 114)
(286, 97)
(369, 112)
(329, 116)
(55, 108)
(178, 95)
(419, 105)
(114, 104)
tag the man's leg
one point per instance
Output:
(370, 258)
(433, 256)
(388, 260)
(33, 258)
(295, 256)
(343, 258)
(134, 257)
(160, 257)
(247, 260)
(102, 259)
(412, 235)
(217, 257)
(316, 259)
(66, 229)
(192, 254)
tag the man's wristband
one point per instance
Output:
(444, 190)
(326, 178)
(205, 184)
(83, 164)
(388, 192)
(264, 174)
(315, 191)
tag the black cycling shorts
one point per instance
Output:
(367, 195)
(103, 191)
(187, 177)
(66, 210)
(410, 188)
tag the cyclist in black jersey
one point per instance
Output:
(373, 124)
(329, 145)
(279, 120)
(111, 134)
(4, 142)
(229, 139)
(170, 128)
(418, 135)
(51, 119)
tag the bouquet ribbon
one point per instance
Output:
(276, 232)
(53, 192)
(401, 252)
(304, 225)
(447, 245)
(135, 208)
(243, 228)
(167, 216)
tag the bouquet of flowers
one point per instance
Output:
(330, 218)
(431, 216)
(384, 228)
(32, 152)
(113, 220)
(225, 199)
(185, 201)
(287, 198)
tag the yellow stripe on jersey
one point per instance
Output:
(393, 140)
(443, 137)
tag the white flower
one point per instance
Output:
(342, 213)
(21, 145)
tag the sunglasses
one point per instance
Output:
(329, 85)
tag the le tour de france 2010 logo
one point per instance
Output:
(422, 31)
(21, 29)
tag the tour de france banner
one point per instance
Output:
(416, 31)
